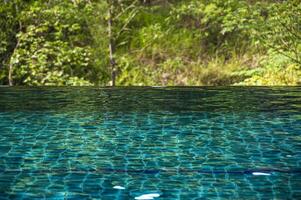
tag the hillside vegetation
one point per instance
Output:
(154, 42)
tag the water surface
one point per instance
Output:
(179, 143)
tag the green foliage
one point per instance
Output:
(9, 26)
(217, 43)
(53, 49)
(175, 42)
(55, 45)
(132, 74)
(221, 25)
(280, 30)
(277, 70)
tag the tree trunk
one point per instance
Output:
(10, 72)
(111, 44)
(11, 69)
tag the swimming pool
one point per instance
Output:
(167, 143)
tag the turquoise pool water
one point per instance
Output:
(127, 143)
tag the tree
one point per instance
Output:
(111, 41)
(53, 47)
(121, 13)
(149, 42)
(11, 25)
(280, 29)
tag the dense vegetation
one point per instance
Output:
(153, 42)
